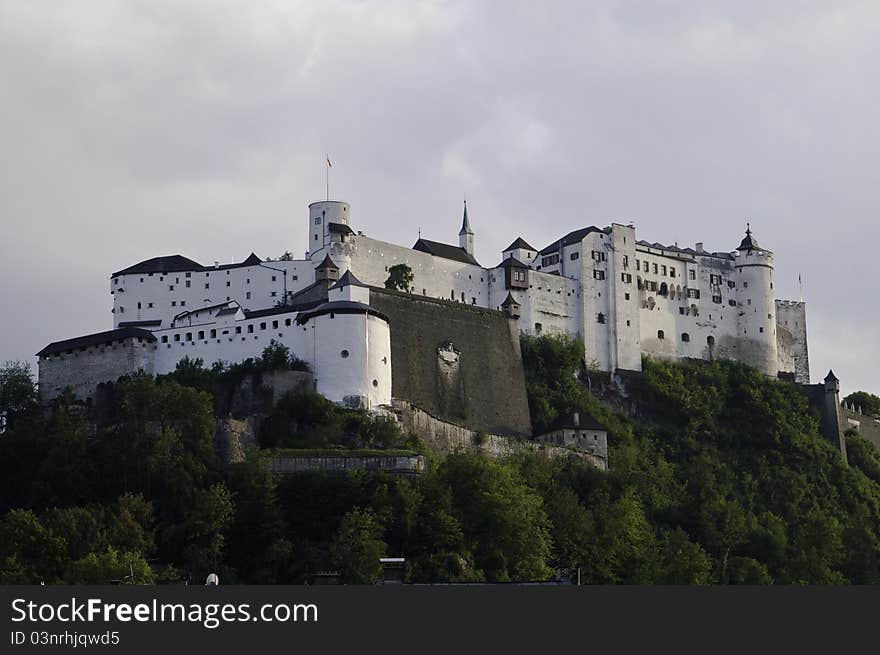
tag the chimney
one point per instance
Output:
(699, 246)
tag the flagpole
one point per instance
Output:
(327, 173)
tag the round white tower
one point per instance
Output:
(349, 353)
(756, 306)
(321, 215)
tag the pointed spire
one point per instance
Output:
(749, 242)
(465, 224)
(831, 377)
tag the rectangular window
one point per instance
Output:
(715, 279)
(227, 283)
(250, 329)
(317, 220)
(286, 322)
(599, 275)
(247, 295)
(207, 285)
(671, 272)
(550, 260)
(693, 274)
(716, 300)
(201, 334)
(731, 302)
(626, 296)
(656, 268)
(273, 278)
(625, 261)
(189, 275)
(165, 339)
(187, 284)
(681, 310)
(177, 337)
(238, 329)
(600, 318)
(573, 256)
(693, 293)
(638, 265)
(274, 325)
(745, 285)
(731, 284)
(183, 303)
(663, 269)
(174, 303)
(171, 287)
(213, 334)
(189, 336)
(262, 326)
(150, 305)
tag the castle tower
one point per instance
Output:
(466, 234)
(832, 421)
(756, 307)
(323, 216)
(327, 271)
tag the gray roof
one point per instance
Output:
(152, 323)
(327, 263)
(96, 339)
(340, 228)
(465, 224)
(586, 422)
(348, 279)
(179, 263)
(749, 242)
(684, 251)
(445, 251)
(511, 262)
(519, 243)
(226, 311)
(571, 238)
(510, 300)
(339, 307)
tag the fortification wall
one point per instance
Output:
(83, 369)
(460, 363)
(444, 438)
(868, 427)
(398, 464)
(791, 323)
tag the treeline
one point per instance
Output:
(718, 477)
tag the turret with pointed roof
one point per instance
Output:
(466, 234)
(327, 271)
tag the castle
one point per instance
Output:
(623, 297)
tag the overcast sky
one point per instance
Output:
(136, 129)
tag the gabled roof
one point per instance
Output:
(348, 280)
(96, 339)
(831, 377)
(165, 264)
(511, 262)
(519, 243)
(571, 238)
(179, 263)
(221, 306)
(445, 251)
(510, 300)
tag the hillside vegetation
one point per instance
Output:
(719, 476)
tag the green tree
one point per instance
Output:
(400, 277)
(18, 393)
(357, 547)
(29, 553)
(868, 402)
(110, 567)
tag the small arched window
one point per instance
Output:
(660, 334)
(685, 336)
(664, 289)
(710, 340)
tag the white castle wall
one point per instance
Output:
(791, 320)
(157, 296)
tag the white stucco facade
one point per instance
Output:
(624, 298)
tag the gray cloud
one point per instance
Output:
(136, 129)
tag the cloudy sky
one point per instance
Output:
(134, 129)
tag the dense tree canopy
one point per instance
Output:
(718, 476)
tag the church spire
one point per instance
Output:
(466, 234)
(465, 224)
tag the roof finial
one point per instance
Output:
(748, 228)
